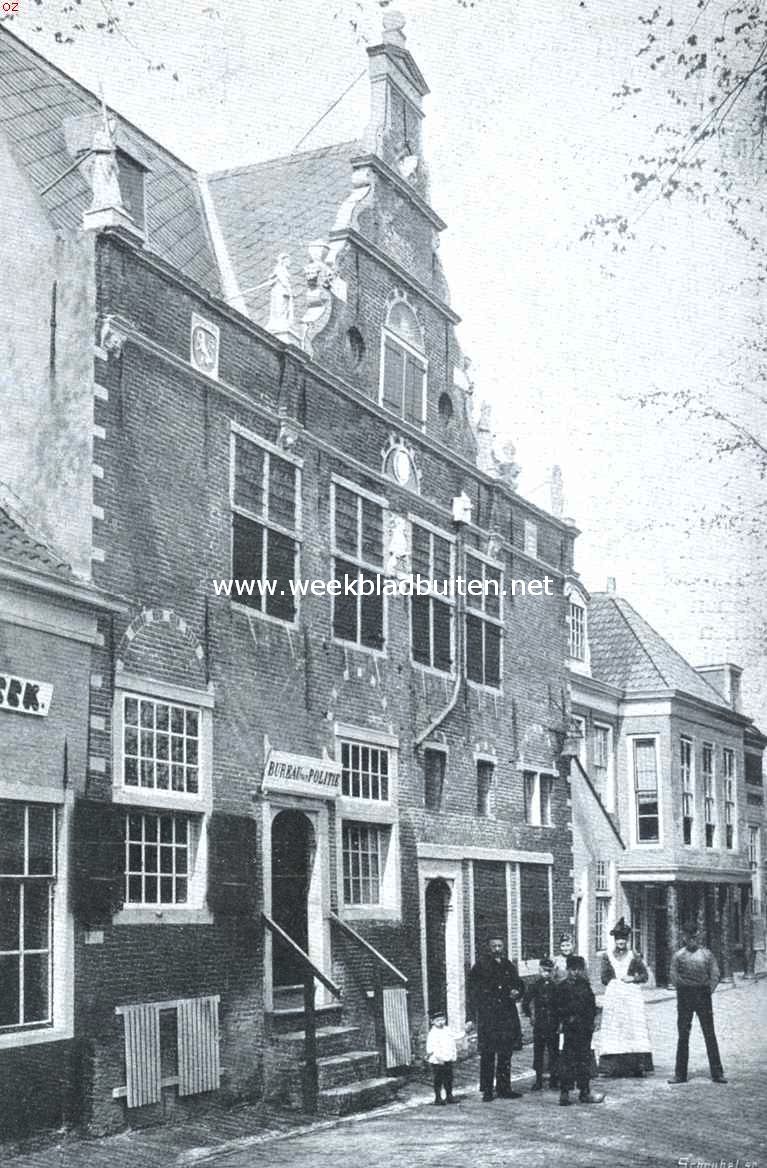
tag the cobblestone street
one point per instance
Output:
(640, 1123)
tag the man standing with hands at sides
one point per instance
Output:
(695, 976)
(496, 987)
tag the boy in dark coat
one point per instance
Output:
(496, 987)
(540, 1004)
(576, 1010)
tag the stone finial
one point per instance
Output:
(393, 24)
(557, 492)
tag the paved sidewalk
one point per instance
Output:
(227, 1132)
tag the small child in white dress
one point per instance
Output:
(441, 1054)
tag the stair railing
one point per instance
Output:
(310, 974)
(382, 967)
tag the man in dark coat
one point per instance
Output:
(496, 987)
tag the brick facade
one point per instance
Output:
(162, 533)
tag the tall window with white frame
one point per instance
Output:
(484, 626)
(160, 763)
(602, 743)
(365, 777)
(538, 792)
(577, 626)
(754, 860)
(646, 791)
(728, 774)
(601, 903)
(688, 791)
(27, 885)
(265, 521)
(358, 556)
(431, 615)
(709, 798)
(403, 365)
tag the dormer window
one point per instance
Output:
(403, 365)
(577, 631)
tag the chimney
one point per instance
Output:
(726, 680)
(397, 90)
(611, 588)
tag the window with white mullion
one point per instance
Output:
(357, 558)
(728, 767)
(27, 884)
(646, 790)
(265, 501)
(688, 793)
(709, 798)
(431, 614)
(364, 771)
(157, 859)
(160, 745)
(484, 624)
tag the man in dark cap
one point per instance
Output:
(496, 987)
(695, 976)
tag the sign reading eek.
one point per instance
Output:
(301, 775)
(21, 696)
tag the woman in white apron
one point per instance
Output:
(623, 1041)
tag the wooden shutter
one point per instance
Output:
(142, 1054)
(396, 1027)
(98, 868)
(232, 851)
(198, 1056)
(393, 375)
(534, 906)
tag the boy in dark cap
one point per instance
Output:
(540, 1004)
(576, 1009)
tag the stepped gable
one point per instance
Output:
(628, 653)
(35, 101)
(23, 549)
(280, 205)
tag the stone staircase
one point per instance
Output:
(349, 1076)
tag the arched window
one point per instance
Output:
(403, 365)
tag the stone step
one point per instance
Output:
(363, 1095)
(331, 1040)
(287, 1019)
(339, 1070)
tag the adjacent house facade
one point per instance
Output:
(227, 385)
(665, 830)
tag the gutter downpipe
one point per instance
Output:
(459, 655)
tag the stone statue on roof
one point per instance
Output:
(104, 173)
(281, 305)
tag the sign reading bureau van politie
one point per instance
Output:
(299, 775)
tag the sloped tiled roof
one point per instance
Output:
(628, 653)
(280, 206)
(35, 100)
(26, 551)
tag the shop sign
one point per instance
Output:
(22, 696)
(300, 775)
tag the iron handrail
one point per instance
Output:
(371, 949)
(304, 958)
